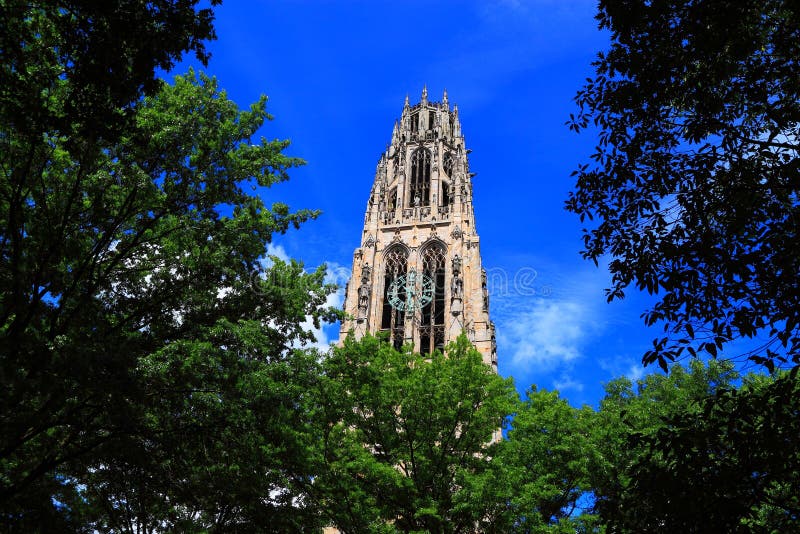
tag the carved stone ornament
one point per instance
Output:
(370, 241)
(456, 265)
(364, 291)
(396, 237)
(457, 233)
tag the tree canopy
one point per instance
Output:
(694, 183)
(405, 436)
(76, 67)
(692, 452)
(149, 375)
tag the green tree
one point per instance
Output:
(540, 475)
(631, 410)
(691, 451)
(725, 464)
(403, 435)
(148, 376)
(76, 68)
(694, 182)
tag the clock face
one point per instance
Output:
(409, 292)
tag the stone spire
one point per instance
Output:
(417, 274)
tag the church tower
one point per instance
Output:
(417, 275)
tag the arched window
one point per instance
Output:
(393, 199)
(447, 164)
(392, 319)
(420, 178)
(432, 320)
(447, 196)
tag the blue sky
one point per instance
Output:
(336, 74)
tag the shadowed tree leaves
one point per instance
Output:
(77, 67)
(136, 310)
(728, 463)
(694, 183)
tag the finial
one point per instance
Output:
(444, 100)
(424, 98)
(406, 103)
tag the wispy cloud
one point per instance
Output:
(550, 333)
(545, 336)
(328, 334)
(626, 366)
(511, 37)
(566, 382)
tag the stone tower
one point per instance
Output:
(417, 275)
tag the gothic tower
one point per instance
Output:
(417, 275)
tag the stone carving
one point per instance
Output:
(456, 265)
(485, 291)
(456, 233)
(370, 242)
(456, 288)
(364, 292)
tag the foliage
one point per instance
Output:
(77, 68)
(689, 450)
(694, 183)
(148, 377)
(540, 476)
(404, 434)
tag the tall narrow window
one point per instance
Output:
(393, 199)
(447, 164)
(432, 320)
(415, 122)
(420, 178)
(446, 195)
(431, 120)
(392, 318)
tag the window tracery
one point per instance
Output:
(393, 319)
(420, 178)
(447, 164)
(432, 316)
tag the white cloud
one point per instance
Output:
(626, 366)
(274, 250)
(549, 322)
(551, 333)
(566, 382)
(334, 274)
(635, 371)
